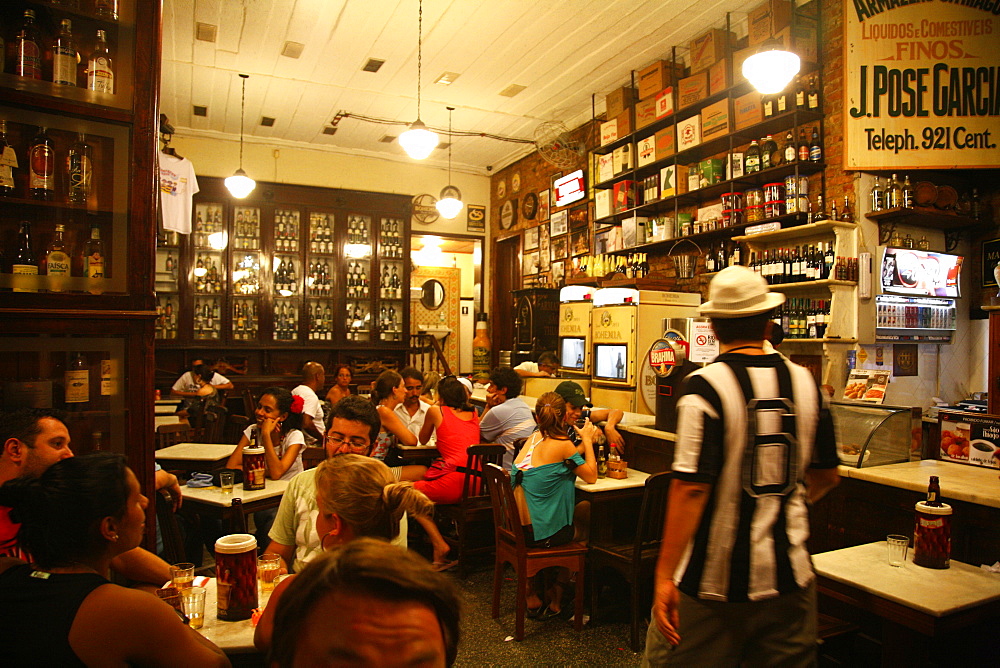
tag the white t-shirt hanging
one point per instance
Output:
(177, 186)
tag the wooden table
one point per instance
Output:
(210, 502)
(190, 457)
(418, 454)
(614, 504)
(916, 604)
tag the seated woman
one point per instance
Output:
(356, 496)
(62, 611)
(341, 387)
(544, 476)
(457, 427)
(429, 392)
(207, 394)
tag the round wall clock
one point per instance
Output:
(529, 207)
(508, 214)
(515, 183)
(501, 188)
(424, 210)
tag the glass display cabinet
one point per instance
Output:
(872, 435)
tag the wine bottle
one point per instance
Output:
(800, 93)
(64, 56)
(846, 214)
(752, 160)
(100, 67)
(41, 166)
(813, 95)
(27, 48)
(768, 149)
(77, 381)
(25, 263)
(8, 158)
(79, 170)
(57, 262)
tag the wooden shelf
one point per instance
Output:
(920, 216)
(798, 232)
(806, 285)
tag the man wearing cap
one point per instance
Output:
(576, 401)
(755, 445)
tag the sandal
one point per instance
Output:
(534, 613)
(549, 613)
(444, 565)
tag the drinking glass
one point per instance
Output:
(268, 565)
(182, 575)
(193, 603)
(897, 546)
(226, 482)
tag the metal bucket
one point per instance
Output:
(684, 265)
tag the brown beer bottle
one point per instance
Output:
(934, 492)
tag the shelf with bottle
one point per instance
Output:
(246, 228)
(167, 308)
(391, 238)
(321, 234)
(286, 319)
(286, 271)
(207, 321)
(244, 319)
(390, 280)
(72, 52)
(166, 277)
(286, 230)
(390, 321)
(319, 313)
(209, 274)
(357, 321)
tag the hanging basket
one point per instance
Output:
(684, 265)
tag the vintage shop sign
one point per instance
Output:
(923, 89)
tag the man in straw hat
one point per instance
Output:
(755, 445)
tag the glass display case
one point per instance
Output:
(872, 435)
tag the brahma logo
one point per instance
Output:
(662, 358)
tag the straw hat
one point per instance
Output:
(738, 292)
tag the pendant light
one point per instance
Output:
(418, 141)
(771, 68)
(450, 202)
(240, 185)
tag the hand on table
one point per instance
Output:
(615, 439)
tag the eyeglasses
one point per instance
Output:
(356, 444)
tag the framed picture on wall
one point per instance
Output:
(579, 241)
(543, 248)
(559, 223)
(578, 217)
(543, 205)
(529, 264)
(558, 271)
(560, 247)
(531, 238)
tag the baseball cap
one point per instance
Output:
(572, 393)
(467, 383)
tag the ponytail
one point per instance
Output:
(550, 413)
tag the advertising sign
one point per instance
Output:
(922, 84)
(970, 439)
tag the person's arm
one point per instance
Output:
(611, 417)
(309, 426)
(228, 385)
(275, 465)
(265, 625)
(490, 425)
(142, 565)
(395, 426)
(178, 388)
(685, 505)
(235, 460)
(819, 482)
(431, 422)
(588, 470)
(168, 481)
(220, 382)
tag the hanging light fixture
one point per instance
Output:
(418, 141)
(239, 184)
(771, 68)
(450, 202)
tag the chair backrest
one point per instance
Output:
(235, 426)
(649, 531)
(478, 457)
(249, 403)
(172, 434)
(213, 424)
(517, 444)
(506, 519)
(173, 543)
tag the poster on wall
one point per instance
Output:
(476, 221)
(970, 439)
(924, 85)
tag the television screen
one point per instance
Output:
(571, 353)
(569, 188)
(611, 361)
(906, 271)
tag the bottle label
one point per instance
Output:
(24, 270)
(813, 100)
(100, 78)
(752, 163)
(109, 384)
(58, 264)
(94, 265)
(815, 153)
(64, 69)
(42, 162)
(29, 60)
(80, 173)
(789, 154)
(6, 177)
(77, 386)
(480, 358)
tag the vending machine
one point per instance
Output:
(624, 324)
(575, 306)
(916, 295)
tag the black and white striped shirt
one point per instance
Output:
(750, 425)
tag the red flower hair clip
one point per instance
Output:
(297, 403)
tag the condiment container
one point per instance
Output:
(236, 576)
(932, 535)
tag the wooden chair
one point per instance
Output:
(635, 561)
(172, 434)
(312, 456)
(173, 541)
(235, 426)
(473, 515)
(526, 561)
(249, 403)
(213, 422)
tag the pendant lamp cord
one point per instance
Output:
(420, 50)
(450, 142)
(243, 110)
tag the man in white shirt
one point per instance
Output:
(413, 410)
(187, 387)
(546, 367)
(313, 379)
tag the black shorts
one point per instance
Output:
(561, 537)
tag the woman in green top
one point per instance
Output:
(544, 476)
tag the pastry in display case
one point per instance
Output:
(872, 435)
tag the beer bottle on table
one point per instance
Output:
(934, 492)
(602, 463)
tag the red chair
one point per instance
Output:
(527, 561)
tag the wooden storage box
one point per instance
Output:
(718, 77)
(708, 48)
(747, 110)
(617, 468)
(666, 144)
(715, 120)
(692, 89)
(658, 76)
(618, 101)
(767, 19)
(801, 40)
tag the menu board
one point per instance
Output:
(970, 439)
(866, 385)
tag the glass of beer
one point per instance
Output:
(193, 602)
(268, 565)
(226, 482)
(181, 575)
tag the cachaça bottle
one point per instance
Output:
(79, 171)
(877, 196)
(100, 67)
(64, 56)
(27, 48)
(8, 159)
(57, 262)
(41, 166)
(93, 259)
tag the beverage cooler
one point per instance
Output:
(624, 324)
(574, 330)
(916, 295)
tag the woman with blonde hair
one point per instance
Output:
(544, 479)
(356, 496)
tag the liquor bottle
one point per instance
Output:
(57, 262)
(800, 93)
(79, 170)
(815, 147)
(846, 214)
(877, 196)
(64, 56)
(893, 194)
(813, 95)
(923, 244)
(833, 210)
(41, 166)
(27, 48)
(100, 67)
(820, 211)
(768, 106)
(790, 152)
(107, 9)
(803, 146)
(8, 159)
(752, 160)
(25, 263)
(768, 150)
(908, 193)
(602, 463)
(934, 492)
(93, 258)
(782, 104)
(77, 381)
(620, 367)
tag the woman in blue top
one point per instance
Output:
(544, 476)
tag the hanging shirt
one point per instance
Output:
(178, 186)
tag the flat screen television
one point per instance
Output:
(905, 271)
(611, 361)
(572, 352)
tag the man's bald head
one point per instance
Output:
(313, 373)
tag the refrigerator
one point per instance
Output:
(575, 306)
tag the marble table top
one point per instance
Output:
(167, 402)
(634, 479)
(161, 420)
(213, 495)
(165, 409)
(961, 482)
(936, 592)
(205, 452)
(230, 637)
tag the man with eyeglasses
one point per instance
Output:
(354, 425)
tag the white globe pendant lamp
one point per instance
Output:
(771, 68)
(418, 141)
(239, 184)
(450, 202)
